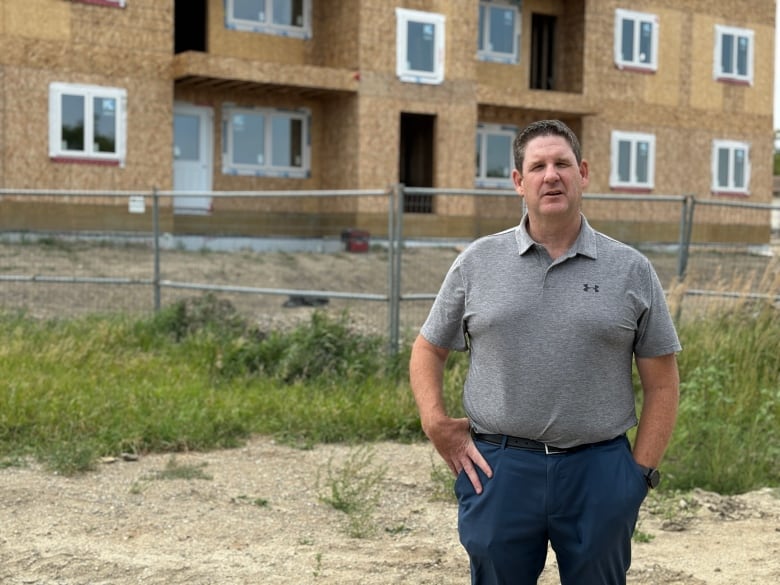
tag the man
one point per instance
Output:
(552, 314)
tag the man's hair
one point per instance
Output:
(544, 128)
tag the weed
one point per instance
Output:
(259, 502)
(197, 376)
(318, 565)
(355, 489)
(443, 482)
(173, 470)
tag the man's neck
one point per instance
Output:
(557, 235)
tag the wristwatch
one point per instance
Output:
(652, 476)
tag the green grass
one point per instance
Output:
(197, 376)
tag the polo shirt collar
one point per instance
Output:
(585, 243)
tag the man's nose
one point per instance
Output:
(551, 174)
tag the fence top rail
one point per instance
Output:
(152, 192)
(72, 193)
(477, 192)
(311, 193)
(512, 193)
(741, 204)
(369, 193)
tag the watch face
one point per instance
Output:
(653, 478)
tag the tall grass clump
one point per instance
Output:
(727, 437)
(195, 376)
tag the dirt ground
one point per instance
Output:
(256, 515)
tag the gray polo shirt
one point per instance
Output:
(551, 343)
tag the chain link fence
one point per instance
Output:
(277, 256)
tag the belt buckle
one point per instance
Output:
(555, 450)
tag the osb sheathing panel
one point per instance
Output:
(380, 117)
(683, 158)
(333, 42)
(379, 34)
(708, 93)
(3, 138)
(143, 26)
(249, 44)
(515, 76)
(23, 18)
(149, 157)
(28, 213)
(334, 154)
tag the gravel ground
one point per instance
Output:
(255, 514)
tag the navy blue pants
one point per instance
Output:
(585, 504)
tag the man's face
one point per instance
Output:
(551, 181)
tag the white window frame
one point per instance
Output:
(486, 52)
(638, 18)
(403, 68)
(484, 132)
(57, 149)
(721, 32)
(266, 168)
(265, 24)
(634, 138)
(732, 146)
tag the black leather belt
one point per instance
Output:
(530, 444)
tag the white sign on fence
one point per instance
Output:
(136, 204)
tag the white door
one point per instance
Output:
(193, 131)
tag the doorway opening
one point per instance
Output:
(416, 159)
(190, 19)
(542, 52)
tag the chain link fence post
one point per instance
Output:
(686, 231)
(394, 246)
(156, 247)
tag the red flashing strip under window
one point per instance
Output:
(739, 194)
(112, 3)
(632, 190)
(733, 81)
(636, 69)
(85, 161)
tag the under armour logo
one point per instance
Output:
(590, 287)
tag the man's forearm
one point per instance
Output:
(660, 383)
(426, 373)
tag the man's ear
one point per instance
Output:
(585, 173)
(517, 181)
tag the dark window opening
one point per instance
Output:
(416, 159)
(190, 25)
(542, 52)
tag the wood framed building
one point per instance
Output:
(668, 98)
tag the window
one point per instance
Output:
(419, 46)
(636, 40)
(265, 142)
(498, 31)
(494, 155)
(733, 54)
(633, 160)
(278, 17)
(730, 166)
(87, 123)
